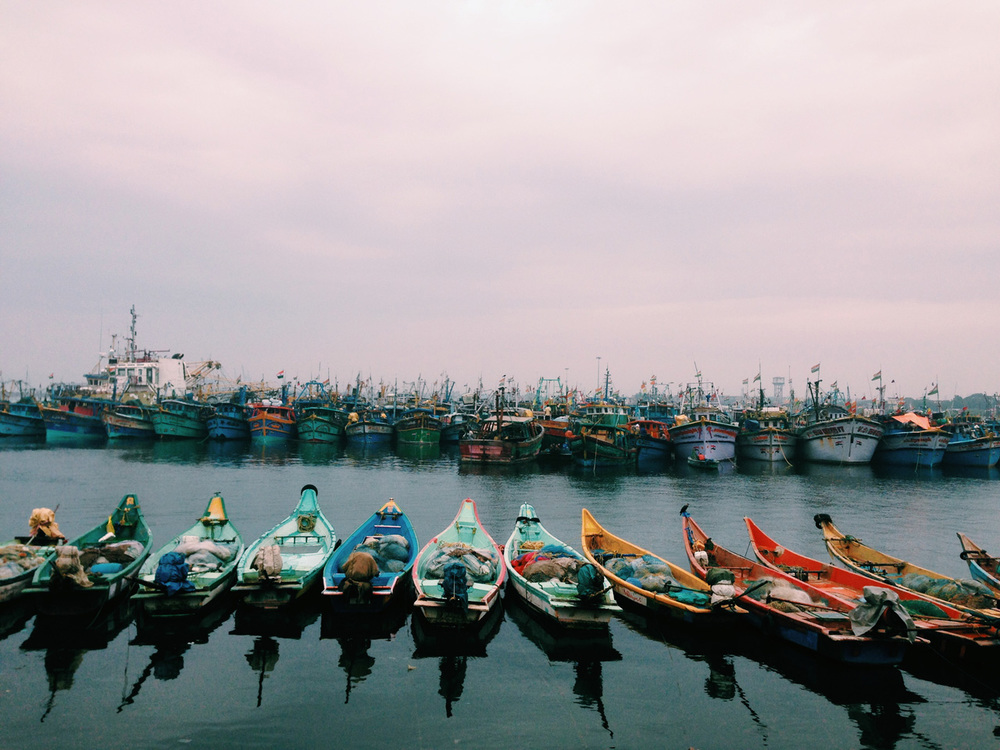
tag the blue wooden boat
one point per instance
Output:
(181, 418)
(194, 568)
(98, 568)
(389, 538)
(21, 419)
(317, 418)
(972, 443)
(285, 562)
(910, 440)
(229, 421)
(653, 445)
(369, 425)
(74, 417)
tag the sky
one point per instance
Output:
(473, 190)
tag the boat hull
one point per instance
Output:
(771, 445)
(981, 452)
(316, 429)
(923, 448)
(21, 420)
(847, 440)
(67, 424)
(369, 432)
(715, 440)
(120, 426)
(180, 420)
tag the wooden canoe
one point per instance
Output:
(483, 554)
(304, 541)
(124, 536)
(790, 609)
(950, 631)
(689, 600)
(556, 598)
(387, 526)
(859, 557)
(984, 567)
(211, 549)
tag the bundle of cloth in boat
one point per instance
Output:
(961, 592)
(72, 564)
(480, 564)
(42, 523)
(780, 595)
(549, 562)
(390, 552)
(651, 574)
(192, 555)
(17, 558)
(267, 562)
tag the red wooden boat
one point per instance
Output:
(788, 608)
(950, 631)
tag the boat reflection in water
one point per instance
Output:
(67, 642)
(411, 453)
(171, 636)
(267, 626)
(875, 698)
(355, 633)
(584, 649)
(454, 647)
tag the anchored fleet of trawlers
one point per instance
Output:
(139, 394)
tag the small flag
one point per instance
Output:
(815, 368)
(757, 378)
(698, 374)
(932, 391)
(111, 527)
(51, 375)
(746, 381)
(834, 385)
(281, 375)
(877, 375)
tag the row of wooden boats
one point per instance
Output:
(872, 609)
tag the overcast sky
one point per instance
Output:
(478, 189)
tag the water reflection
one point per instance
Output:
(875, 699)
(66, 641)
(354, 632)
(369, 454)
(267, 625)
(454, 647)
(319, 454)
(171, 637)
(271, 454)
(585, 649)
(766, 468)
(920, 473)
(416, 453)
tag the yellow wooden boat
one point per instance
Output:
(684, 596)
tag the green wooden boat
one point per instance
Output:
(284, 563)
(109, 557)
(202, 569)
(558, 598)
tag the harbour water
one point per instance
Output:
(310, 679)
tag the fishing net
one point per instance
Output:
(17, 558)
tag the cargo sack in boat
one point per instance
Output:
(67, 566)
(172, 573)
(455, 585)
(589, 582)
(267, 562)
(359, 570)
(719, 575)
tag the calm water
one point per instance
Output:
(311, 680)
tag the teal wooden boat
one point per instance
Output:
(97, 569)
(419, 426)
(285, 562)
(553, 578)
(194, 568)
(388, 536)
(178, 418)
(442, 599)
